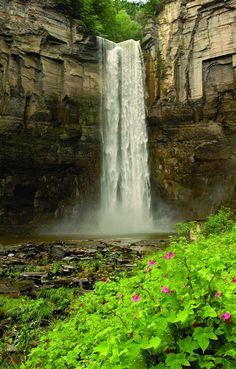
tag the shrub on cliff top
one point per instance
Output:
(104, 17)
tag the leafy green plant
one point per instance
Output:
(57, 267)
(218, 223)
(184, 229)
(125, 28)
(117, 20)
(153, 7)
(178, 310)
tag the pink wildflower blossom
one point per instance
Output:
(233, 280)
(148, 269)
(226, 317)
(218, 294)
(152, 262)
(166, 290)
(170, 255)
(136, 298)
(184, 285)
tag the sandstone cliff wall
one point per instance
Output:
(49, 110)
(49, 114)
(190, 53)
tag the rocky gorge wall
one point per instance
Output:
(49, 115)
(49, 111)
(190, 54)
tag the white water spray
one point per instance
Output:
(125, 184)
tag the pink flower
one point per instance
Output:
(165, 289)
(226, 317)
(170, 255)
(152, 263)
(148, 269)
(184, 285)
(136, 298)
(233, 280)
(218, 294)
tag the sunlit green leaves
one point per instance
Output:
(187, 345)
(208, 312)
(153, 343)
(176, 361)
(161, 331)
(203, 336)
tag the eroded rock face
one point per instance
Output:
(49, 114)
(191, 82)
(49, 110)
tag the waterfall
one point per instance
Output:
(125, 185)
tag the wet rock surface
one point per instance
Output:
(26, 268)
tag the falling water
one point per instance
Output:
(125, 184)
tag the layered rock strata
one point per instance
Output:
(190, 53)
(49, 114)
(49, 110)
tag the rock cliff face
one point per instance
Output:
(190, 53)
(49, 110)
(49, 114)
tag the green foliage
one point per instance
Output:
(218, 223)
(117, 20)
(105, 17)
(184, 229)
(125, 28)
(153, 7)
(27, 319)
(132, 324)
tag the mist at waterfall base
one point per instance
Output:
(125, 198)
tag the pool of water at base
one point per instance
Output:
(14, 240)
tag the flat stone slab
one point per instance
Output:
(34, 275)
(15, 287)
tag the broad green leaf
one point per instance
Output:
(203, 336)
(188, 345)
(207, 362)
(182, 316)
(159, 366)
(203, 342)
(176, 361)
(155, 342)
(208, 311)
(103, 348)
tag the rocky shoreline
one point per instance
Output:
(28, 267)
